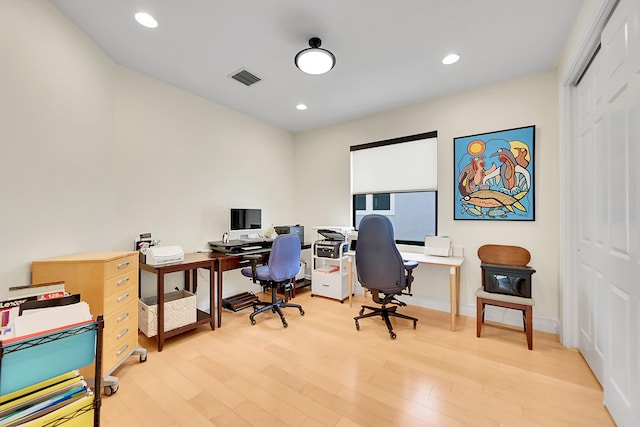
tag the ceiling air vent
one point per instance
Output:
(245, 77)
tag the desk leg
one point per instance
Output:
(187, 282)
(219, 294)
(212, 296)
(454, 294)
(350, 266)
(160, 294)
(458, 291)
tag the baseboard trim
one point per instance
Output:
(491, 314)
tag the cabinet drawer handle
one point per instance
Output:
(122, 297)
(123, 265)
(123, 281)
(122, 333)
(122, 350)
(122, 317)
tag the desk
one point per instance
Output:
(453, 262)
(225, 262)
(191, 263)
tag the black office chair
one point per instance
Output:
(280, 272)
(381, 270)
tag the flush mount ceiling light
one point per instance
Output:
(315, 60)
(146, 20)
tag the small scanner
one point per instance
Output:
(160, 255)
(437, 245)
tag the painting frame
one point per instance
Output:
(494, 177)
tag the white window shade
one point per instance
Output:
(402, 164)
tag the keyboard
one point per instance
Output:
(250, 248)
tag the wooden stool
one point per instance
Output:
(512, 257)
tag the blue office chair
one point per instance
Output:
(381, 270)
(281, 270)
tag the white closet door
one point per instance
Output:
(590, 156)
(622, 259)
(608, 122)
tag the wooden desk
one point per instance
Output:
(226, 262)
(191, 263)
(452, 262)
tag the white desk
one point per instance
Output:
(453, 262)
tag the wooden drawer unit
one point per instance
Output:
(108, 282)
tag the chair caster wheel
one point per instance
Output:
(393, 335)
(414, 324)
(143, 358)
(112, 389)
(361, 311)
(285, 324)
(301, 312)
(253, 322)
(357, 326)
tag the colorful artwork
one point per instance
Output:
(495, 176)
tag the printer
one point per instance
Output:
(160, 255)
(333, 245)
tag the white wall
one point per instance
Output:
(94, 154)
(182, 162)
(56, 133)
(323, 194)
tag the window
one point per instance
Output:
(413, 214)
(381, 202)
(397, 178)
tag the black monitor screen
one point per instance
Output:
(245, 219)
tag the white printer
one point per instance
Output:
(437, 245)
(159, 255)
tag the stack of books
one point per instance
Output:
(65, 395)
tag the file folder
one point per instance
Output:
(46, 355)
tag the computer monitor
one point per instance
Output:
(243, 219)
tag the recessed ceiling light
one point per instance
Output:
(146, 20)
(301, 107)
(450, 59)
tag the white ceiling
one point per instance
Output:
(388, 52)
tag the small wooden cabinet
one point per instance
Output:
(108, 282)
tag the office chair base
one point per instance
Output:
(275, 306)
(386, 314)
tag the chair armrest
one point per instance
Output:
(253, 259)
(409, 266)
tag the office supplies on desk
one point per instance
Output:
(160, 255)
(291, 229)
(240, 245)
(437, 246)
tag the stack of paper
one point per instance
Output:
(18, 295)
(44, 319)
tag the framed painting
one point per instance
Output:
(494, 176)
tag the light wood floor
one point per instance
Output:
(320, 371)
